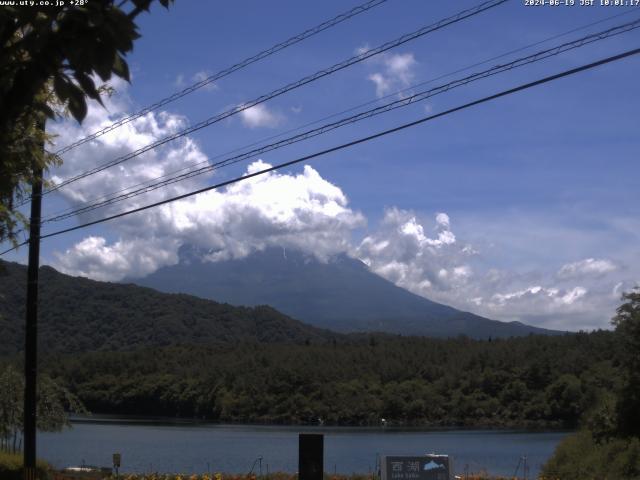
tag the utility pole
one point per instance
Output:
(31, 324)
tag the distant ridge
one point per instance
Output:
(78, 315)
(342, 294)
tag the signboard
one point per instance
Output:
(424, 467)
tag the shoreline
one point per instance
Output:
(106, 419)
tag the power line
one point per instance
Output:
(349, 110)
(280, 91)
(228, 71)
(422, 120)
(403, 102)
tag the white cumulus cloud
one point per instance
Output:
(403, 252)
(539, 294)
(429, 259)
(302, 211)
(392, 71)
(587, 267)
(180, 81)
(200, 76)
(94, 258)
(173, 156)
(260, 116)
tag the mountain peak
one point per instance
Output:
(338, 292)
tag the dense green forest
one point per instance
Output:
(607, 446)
(535, 381)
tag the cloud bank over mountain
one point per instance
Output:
(301, 209)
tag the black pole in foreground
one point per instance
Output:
(31, 329)
(310, 456)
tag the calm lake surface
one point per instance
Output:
(197, 448)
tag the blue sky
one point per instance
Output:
(538, 189)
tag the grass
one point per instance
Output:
(11, 467)
(272, 476)
(582, 456)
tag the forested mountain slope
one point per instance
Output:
(78, 314)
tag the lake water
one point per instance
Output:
(198, 448)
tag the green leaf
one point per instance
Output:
(77, 103)
(88, 86)
(143, 4)
(103, 65)
(61, 86)
(121, 68)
